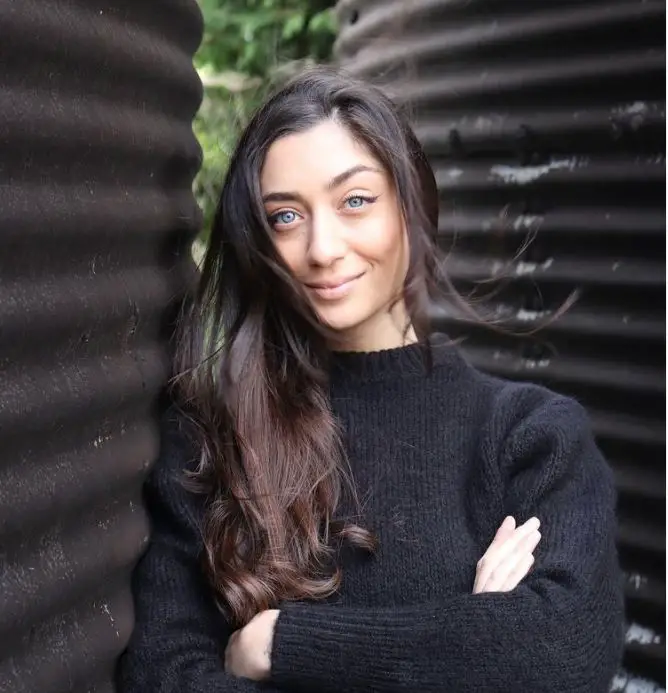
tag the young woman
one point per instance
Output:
(328, 508)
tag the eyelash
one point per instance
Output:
(368, 199)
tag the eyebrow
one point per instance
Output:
(333, 183)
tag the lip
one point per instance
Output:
(335, 289)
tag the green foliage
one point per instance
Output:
(248, 46)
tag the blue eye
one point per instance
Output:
(359, 201)
(285, 217)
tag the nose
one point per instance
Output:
(327, 242)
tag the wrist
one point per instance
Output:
(269, 618)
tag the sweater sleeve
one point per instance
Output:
(559, 631)
(179, 635)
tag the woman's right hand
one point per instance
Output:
(509, 557)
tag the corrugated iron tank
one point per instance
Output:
(545, 124)
(97, 158)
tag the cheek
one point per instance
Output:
(385, 245)
(291, 253)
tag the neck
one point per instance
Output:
(389, 330)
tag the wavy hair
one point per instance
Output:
(252, 360)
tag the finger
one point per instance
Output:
(498, 551)
(503, 533)
(516, 576)
(528, 544)
(509, 564)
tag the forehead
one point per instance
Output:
(312, 157)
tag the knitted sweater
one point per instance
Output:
(440, 456)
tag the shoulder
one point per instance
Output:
(517, 419)
(526, 412)
(178, 443)
(504, 405)
(543, 438)
(169, 498)
(537, 447)
(522, 407)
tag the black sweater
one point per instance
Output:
(439, 457)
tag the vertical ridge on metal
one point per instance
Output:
(545, 125)
(97, 158)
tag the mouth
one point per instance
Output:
(334, 289)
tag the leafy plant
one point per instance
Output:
(249, 45)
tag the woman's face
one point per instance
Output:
(338, 227)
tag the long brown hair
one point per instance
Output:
(252, 360)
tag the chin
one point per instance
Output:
(341, 322)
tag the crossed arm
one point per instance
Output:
(560, 630)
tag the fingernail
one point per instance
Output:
(534, 522)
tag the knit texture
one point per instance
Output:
(440, 455)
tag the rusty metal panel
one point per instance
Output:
(545, 124)
(97, 158)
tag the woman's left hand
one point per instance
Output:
(248, 651)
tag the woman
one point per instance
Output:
(351, 470)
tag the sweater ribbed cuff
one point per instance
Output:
(320, 647)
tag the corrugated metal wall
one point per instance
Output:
(97, 157)
(546, 121)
